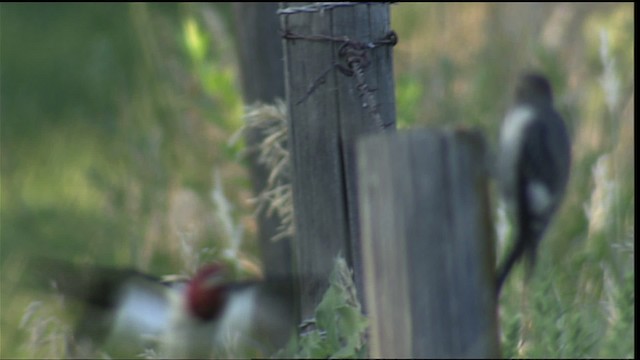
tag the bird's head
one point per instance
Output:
(207, 292)
(533, 88)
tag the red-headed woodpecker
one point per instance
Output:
(127, 313)
(533, 165)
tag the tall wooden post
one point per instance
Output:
(328, 109)
(262, 72)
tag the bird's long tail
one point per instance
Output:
(506, 267)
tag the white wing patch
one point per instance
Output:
(539, 198)
(142, 315)
(514, 124)
(511, 136)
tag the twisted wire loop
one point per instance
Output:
(355, 58)
(322, 7)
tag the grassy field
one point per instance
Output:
(115, 126)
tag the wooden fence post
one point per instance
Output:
(427, 245)
(262, 73)
(328, 109)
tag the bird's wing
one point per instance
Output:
(120, 309)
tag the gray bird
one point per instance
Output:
(533, 166)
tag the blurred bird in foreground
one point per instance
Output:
(128, 313)
(533, 166)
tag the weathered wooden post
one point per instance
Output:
(339, 85)
(262, 73)
(427, 245)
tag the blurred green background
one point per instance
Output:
(115, 117)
